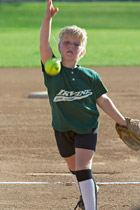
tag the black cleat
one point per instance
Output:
(80, 204)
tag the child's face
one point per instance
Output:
(71, 48)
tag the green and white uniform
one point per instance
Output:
(72, 95)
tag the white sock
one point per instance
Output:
(88, 190)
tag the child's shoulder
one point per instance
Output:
(88, 71)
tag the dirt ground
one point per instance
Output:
(28, 152)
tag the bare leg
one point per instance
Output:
(83, 159)
(70, 162)
(81, 162)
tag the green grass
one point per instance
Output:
(113, 32)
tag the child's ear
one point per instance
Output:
(83, 51)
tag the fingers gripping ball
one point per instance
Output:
(53, 66)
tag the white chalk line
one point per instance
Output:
(67, 183)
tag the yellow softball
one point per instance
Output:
(53, 66)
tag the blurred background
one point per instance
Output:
(113, 29)
(13, 1)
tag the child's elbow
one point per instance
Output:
(103, 99)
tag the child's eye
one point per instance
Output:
(66, 42)
(76, 45)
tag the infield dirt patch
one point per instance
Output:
(28, 151)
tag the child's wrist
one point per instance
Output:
(124, 122)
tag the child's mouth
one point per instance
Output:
(69, 51)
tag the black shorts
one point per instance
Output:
(68, 141)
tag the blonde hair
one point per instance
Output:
(76, 32)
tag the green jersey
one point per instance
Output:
(72, 95)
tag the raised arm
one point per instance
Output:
(45, 32)
(109, 108)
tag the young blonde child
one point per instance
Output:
(74, 95)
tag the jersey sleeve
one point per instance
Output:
(42, 65)
(100, 89)
(46, 76)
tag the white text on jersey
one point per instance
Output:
(64, 95)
